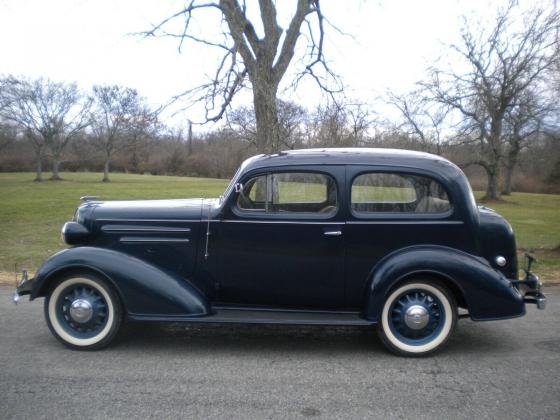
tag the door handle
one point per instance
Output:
(332, 233)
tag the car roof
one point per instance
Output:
(354, 156)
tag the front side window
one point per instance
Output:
(383, 192)
(289, 192)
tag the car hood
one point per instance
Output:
(154, 210)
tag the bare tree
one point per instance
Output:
(291, 121)
(49, 113)
(526, 120)
(250, 57)
(175, 162)
(502, 65)
(291, 124)
(70, 128)
(114, 112)
(142, 127)
(8, 134)
(359, 120)
(329, 127)
(241, 121)
(421, 118)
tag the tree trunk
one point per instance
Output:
(39, 172)
(189, 140)
(106, 170)
(507, 179)
(515, 148)
(495, 160)
(266, 116)
(134, 158)
(439, 152)
(55, 165)
(493, 186)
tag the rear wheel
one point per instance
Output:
(83, 312)
(418, 318)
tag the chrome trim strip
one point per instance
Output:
(371, 222)
(351, 222)
(276, 309)
(152, 240)
(133, 228)
(405, 222)
(292, 222)
(149, 220)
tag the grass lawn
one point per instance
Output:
(535, 219)
(31, 214)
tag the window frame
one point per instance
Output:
(262, 214)
(398, 215)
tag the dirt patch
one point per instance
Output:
(9, 279)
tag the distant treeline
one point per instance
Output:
(54, 126)
(218, 153)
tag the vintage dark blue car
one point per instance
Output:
(378, 237)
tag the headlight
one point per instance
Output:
(74, 233)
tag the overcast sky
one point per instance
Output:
(93, 42)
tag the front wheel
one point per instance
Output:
(418, 318)
(83, 312)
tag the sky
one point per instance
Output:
(388, 46)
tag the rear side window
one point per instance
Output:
(289, 192)
(383, 192)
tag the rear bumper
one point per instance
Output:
(531, 290)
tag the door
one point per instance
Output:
(391, 210)
(281, 241)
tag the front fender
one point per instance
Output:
(144, 288)
(486, 292)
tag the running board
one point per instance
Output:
(224, 315)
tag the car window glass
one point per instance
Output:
(379, 192)
(289, 192)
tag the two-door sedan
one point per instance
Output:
(379, 237)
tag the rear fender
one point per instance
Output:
(144, 288)
(486, 292)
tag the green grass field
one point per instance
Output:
(31, 214)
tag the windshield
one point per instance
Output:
(230, 186)
(233, 181)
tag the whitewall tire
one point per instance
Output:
(417, 318)
(83, 312)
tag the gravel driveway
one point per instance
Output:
(507, 369)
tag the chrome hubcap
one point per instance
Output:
(416, 317)
(81, 311)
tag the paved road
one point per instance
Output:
(508, 369)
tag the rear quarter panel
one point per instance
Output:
(487, 293)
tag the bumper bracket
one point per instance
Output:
(531, 289)
(23, 286)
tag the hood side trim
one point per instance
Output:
(142, 228)
(150, 220)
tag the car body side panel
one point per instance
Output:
(370, 237)
(368, 243)
(488, 294)
(172, 246)
(282, 259)
(144, 288)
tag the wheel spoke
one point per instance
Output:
(411, 333)
(89, 297)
